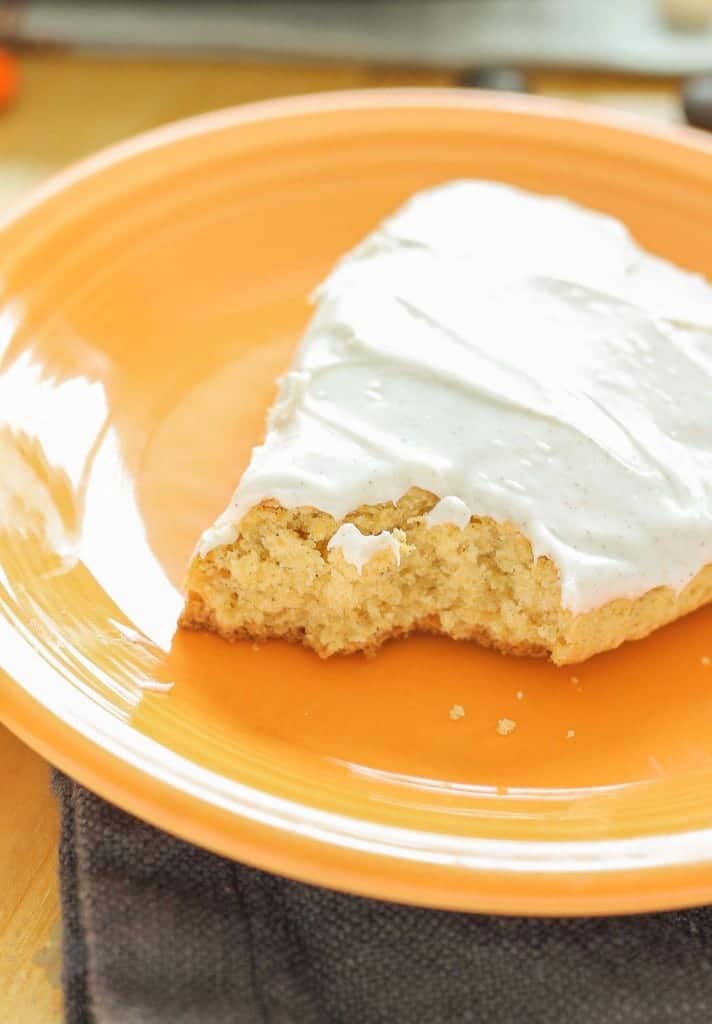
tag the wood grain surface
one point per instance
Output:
(67, 108)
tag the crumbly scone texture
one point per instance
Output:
(279, 579)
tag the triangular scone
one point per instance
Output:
(498, 426)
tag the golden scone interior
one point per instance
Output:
(280, 579)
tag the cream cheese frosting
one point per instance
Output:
(359, 548)
(522, 358)
(449, 510)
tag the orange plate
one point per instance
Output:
(149, 298)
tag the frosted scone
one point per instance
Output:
(498, 426)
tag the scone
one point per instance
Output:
(498, 427)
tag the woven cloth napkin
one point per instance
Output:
(157, 931)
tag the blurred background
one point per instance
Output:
(75, 76)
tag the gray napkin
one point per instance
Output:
(157, 931)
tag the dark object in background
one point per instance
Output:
(496, 79)
(697, 101)
(618, 35)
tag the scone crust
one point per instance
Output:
(279, 579)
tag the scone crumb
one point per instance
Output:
(570, 734)
(505, 726)
(575, 680)
(457, 711)
(706, 660)
(520, 695)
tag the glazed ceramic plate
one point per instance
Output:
(149, 299)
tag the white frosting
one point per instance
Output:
(223, 531)
(449, 510)
(359, 548)
(519, 354)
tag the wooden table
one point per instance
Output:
(68, 107)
